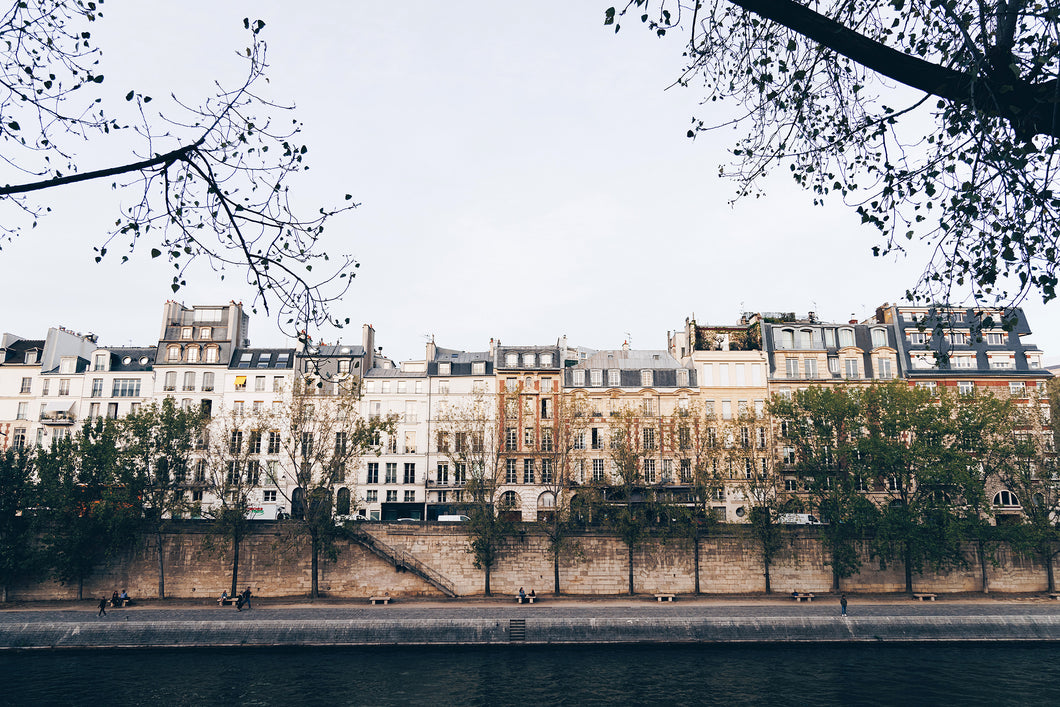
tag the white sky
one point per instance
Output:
(523, 174)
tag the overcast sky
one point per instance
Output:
(523, 174)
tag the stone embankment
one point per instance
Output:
(552, 623)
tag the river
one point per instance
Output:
(806, 674)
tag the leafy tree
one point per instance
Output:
(626, 516)
(89, 516)
(564, 451)
(909, 445)
(469, 437)
(231, 471)
(1033, 476)
(822, 426)
(935, 121)
(157, 443)
(322, 438)
(216, 177)
(694, 440)
(18, 506)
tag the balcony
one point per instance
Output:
(58, 414)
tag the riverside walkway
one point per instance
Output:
(499, 620)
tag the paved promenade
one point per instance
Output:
(500, 620)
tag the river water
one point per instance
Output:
(818, 674)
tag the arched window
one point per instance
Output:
(846, 337)
(785, 339)
(1006, 498)
(547, 500)
(509, 500)
(879, 338)
(342, 504)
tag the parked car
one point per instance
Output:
(339, 520)
(799, 519)
(453, 519)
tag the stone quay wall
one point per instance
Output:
(275, 563)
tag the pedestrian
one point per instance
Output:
(246, 597)
(102, 607)
(843, 605)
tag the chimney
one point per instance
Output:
(432, 350)
(853, 319)
(625, 346)
(368, 343)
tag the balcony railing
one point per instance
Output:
(56, 417)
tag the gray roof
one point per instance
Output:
(393, 373)
(262, 359)
(638, 359)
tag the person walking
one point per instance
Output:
(102, 607)
(843, 605)
(246, 597)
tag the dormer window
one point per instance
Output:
(99, 362)
(211, 354)
(31, 356)
(173, 354)
(614, 377)
(578, 378)
(445, 369)
(185, 333)
(546, 359)
(879, 338)
(596, 377)
(478, 368)
(344, 367)
(511, 360)
(646, 378)
(528, 360)
(846, 337)
(193, 354)
(206, 333)
(66, 365)
(682, 378)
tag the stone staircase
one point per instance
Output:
(402, 561)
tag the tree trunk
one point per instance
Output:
(80, 587)
(908, 568)
(695, 558)
(1047, 559)
(630, 546)
(5, 593)
(835, 579)
(235, 565)
(488, 581)
(161, 565)
(981, 552)
(769, 586)
(555, 572)
(313, 588)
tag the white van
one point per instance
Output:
(798, 519)
(453, 519)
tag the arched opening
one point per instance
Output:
(546, 506)
(1007, 508)
(298, 504)
(508, 508)
(342, 503)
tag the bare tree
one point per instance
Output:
(468, 435)
(205, 179)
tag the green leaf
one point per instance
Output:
(155, 252)
(13, 125)
(129, 95)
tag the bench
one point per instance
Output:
(385, 599)
(1054, 596)
(664, 597)
(922, 597)
(227, 601)
(529, 599)
(802, 596)
(120, 604)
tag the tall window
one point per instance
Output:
(578, 378)
(852, 368)
(171, 381)
(189, 380)
(649, 438)
(810, 367)
(886, 371)
(373, 473)
(207, 381)
(99, 362)
(511, 471)
(410, 473)
(528, 471)
(596, 377)
(598, 470)
(649, 471)
(27, 385)
(391, 473)
(546, 471)
(274, 442)
(792, 367)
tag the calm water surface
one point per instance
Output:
(988, 674)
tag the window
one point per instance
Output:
(546, 439)
(788, 455)
(956, 339)
(528, 471)
(373, 473)
(649, 471)
(784, 339)
(371, 496)
(879, 338)
(528, 438)
(126, 388)
(411, 416)
(1006, 498)
(170, 381)
(596, 377)
(648, 438)
(646, 378)
(410, 496)
(792, 367)
(1017, 388)
(207, 381)
(885, 369)
(99, 362)
(598, 470)
(173, 353)
(546, 471)
(235, 442)
(686, 471)
(528, 360)
(189, 380)
(1002, 362)
(511, 360)
(962, 361)
(682, 377)
(269, 496)
(726, 409)
(391, 496)
(995, 338)
(391, 473)
(761, 437)
(917, 338)
(578, 378)
(614, 377)
(27, 385)
(259, 383)
(929, 386)
(546, 359)
(791, 484)
(833, 365)
(23, 409)
(810, 367)
(511, 385)
(211, 354)
(193, 354)
(966, 387)
(647, 407)
(846, 337)
(18, 441)
(410, 473)
(851, 368)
